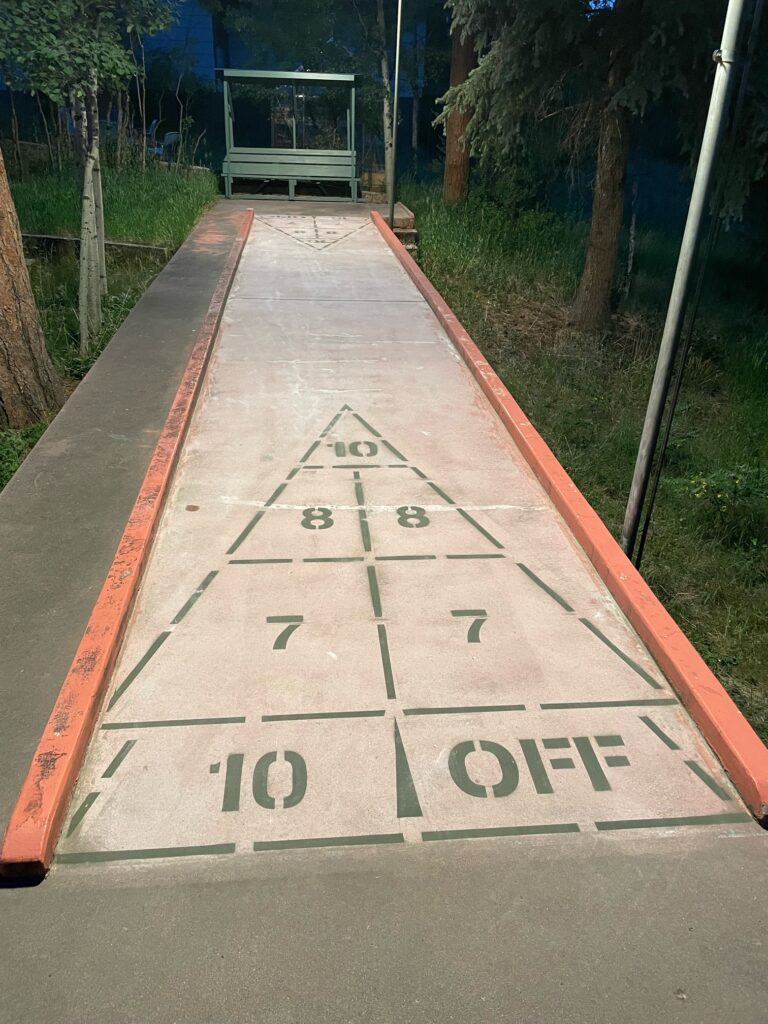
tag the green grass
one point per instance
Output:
(159, 207)
(509, 278)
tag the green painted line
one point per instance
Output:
(619, 653)
(398, 465)
(195, 595)
(330, 426)
(707, 779)
(260, 561)
(313, 447)
(475, 556)
(285, 618)
(609, 741)
(536, 767)
(154, 647)
(386, 661)
(617, 761)
(118, 759)
(701, 819)
(659, 732)
(562, 762)
(472, 613)
(246, 531)
(173, 723)
(273, 497)
(363, 518)
(408, 805)
(373, 586)
(232, 782)
(319, 715)
(359, 465)
(293, 473)
(356, 558)
(308, 844)
(364, 530)
(81, 812)
(99, 856)
(404, 558)
(556, 743)
(545, 587)
(366, 425)
(469, 710)
(479, 528)
(395, 452)
(313, 467)
(491, 833)
(441, 492)
(418, 472)
(607, 704)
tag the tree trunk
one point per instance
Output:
(456, 174)
(387, 103)
(15, 137)
(30, 389)
(98, 201)
(592, 305)
(415, 129)
(44, 119)
(89, 298)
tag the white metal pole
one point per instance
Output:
(726, 59)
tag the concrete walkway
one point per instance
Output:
(364, 625)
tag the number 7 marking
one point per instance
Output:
(479, 615)
(293, 623)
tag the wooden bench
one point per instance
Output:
(311, 165)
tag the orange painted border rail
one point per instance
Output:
(35, 823)
(739, 748)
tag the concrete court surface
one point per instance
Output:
(379, 744)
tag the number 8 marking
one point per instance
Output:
(412, 516)
(317, 518)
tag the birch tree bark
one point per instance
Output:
(89, 299)
(98, 199)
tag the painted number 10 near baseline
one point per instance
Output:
(233, 780)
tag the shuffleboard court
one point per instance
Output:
(363, 621)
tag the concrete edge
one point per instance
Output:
(35, 822)
(740, 750)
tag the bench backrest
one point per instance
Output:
(309, 164)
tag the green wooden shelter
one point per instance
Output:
(293, 163)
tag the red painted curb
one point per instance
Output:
(739, 748)
(36, 820)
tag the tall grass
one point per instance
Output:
(160, 207)
(157, 207)
(509, 276)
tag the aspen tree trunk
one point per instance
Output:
(592, 304)
(89, 300)
(456, 174)
(95, 139)
(415, 128)
(387, 103)
(30, 389)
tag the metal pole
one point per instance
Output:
(722, 89)
(393, 163)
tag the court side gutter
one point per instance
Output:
(37, 817)
(740, 750)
